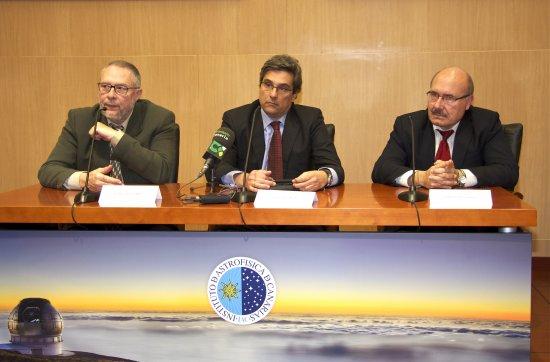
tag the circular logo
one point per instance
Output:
(241, 290)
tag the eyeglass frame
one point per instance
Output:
(269, 86)
(114, 86)
(449, 100)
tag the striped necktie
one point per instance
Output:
(116, 171)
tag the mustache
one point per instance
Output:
(438, 112)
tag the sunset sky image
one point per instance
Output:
(316, 274)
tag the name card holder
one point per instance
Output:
(279, 199)
(460, 199)
(129, 196)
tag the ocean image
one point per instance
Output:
(200, 337)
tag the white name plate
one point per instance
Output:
(460, 199)
(279, 199)
(129, 196)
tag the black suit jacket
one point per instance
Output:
(480, 146)
(147, 152)
(306, 143)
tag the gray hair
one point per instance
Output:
(127, 65)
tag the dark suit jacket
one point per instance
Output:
(306, 143)
(480, 146)
(147, 151)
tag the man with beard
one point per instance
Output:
(136, 140)
(457, 144)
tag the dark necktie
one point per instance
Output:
(275, 160)
(443, 151)
(116, 171)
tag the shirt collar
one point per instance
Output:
(125, 123)
(454, 128)
(267, 120)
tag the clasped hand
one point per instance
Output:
(262, 180)
(442, 175)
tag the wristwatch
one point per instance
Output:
(329, 175)
(461, 178)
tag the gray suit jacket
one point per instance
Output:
(480, 146)
(306, 144)
(147, 151)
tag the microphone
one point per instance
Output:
(223, 139)
(211, 199)
(85, 195)
(244, 195)
(412, 195)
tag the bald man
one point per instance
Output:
(457, 144)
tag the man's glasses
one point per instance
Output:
(268, 86)
(120, 89)
(446, 98)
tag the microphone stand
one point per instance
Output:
(244, 196)
(86, 195)
(212, 183)
(412, 195)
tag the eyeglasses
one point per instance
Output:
(120, 89)
(268, 86)
(447, 98)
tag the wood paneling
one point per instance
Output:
(152, 28)
(365, 62)
(417, 25)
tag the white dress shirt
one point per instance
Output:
(229, 178)
(471, 179)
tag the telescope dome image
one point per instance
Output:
(36, 326)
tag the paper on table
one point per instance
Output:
(129, 196)
(279, 199)
(460, 199)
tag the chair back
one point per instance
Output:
(175, 170)
(331, 131)
(514, 134)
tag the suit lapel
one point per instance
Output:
(462, 139)
(134, 128)
(289, 135)
(101, 150)
(425, 145)
(258, 142)
(135, 123)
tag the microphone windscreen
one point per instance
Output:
(223, 139)
(214, 199)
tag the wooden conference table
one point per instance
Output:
(347, 205)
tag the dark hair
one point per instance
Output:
(287, 63)
(132, 68)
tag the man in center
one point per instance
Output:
(289, 141)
